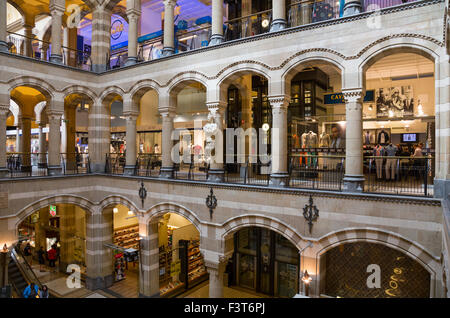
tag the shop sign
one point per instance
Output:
(52, 210)
(116, 29)
(338, 98)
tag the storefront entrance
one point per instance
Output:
(265, 262)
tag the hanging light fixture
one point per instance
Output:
(115, 210)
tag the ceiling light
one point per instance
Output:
(130, 212)
(115, 210)
(265, 23)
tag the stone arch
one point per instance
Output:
(117, 199)
(15, 110)
(229, 74)
(389, 239)
(80, 90)
(400, 43)
(141, 87)
(83, 203)
(33, 82)
(178, 82)
(166, 207)
(38, 109)
(110, 93)
(233, 225)
(291, 66)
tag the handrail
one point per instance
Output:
(247, 16)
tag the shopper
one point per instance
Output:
(41, 259)
(52, 254)
(27, 254)
(44, 292)
(31, 291)
(419, 162)
(378, 151)
(391, 164)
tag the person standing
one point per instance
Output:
(41, 259)
(52, 255)
(31, 291)
(419, 162)
(390, 151)
(44, 292)
(27, 253)
(378, 151)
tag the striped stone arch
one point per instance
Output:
(236, 70)
(235, 224)
(80, 90)
(141, 87)
(389, 239)
(38, 108)
(180, 81)
(408, 43)
(39, 84)
(308, 58)
(115, 200)
(162, 208)
(110, 94)
(15, 111)
(83, 203)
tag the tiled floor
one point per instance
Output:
(202, 291)
(129, 287)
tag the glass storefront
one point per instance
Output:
(266, 262)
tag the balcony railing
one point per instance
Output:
(40, 50)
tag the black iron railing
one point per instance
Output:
(22, 164)
(75, 163)
(148, 165)
(115, 163)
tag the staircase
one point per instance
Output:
(16, 278)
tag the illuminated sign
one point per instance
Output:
(116, 29)
(53, 210)
(338, 98)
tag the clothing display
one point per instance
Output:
(383, 137)
(309, 139)
(378, 151)
(368, 138)
(324, 140)
(337, 143)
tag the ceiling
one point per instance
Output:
(401, 64)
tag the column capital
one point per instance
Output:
(279, 101)
(170, 3)
(133, 13)
(167, 112)
(56, 9)
(4, 109)
(353, 95)
(219, 105)
(130, 115)
(54, 115)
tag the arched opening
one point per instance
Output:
(372, 270)
(316, 125)
(249, 115)
(399, 122)
(263, 261)
(51, 239)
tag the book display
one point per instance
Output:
(196, 265)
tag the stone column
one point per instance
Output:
(216, 172)
(54, 141)
(354, 177)
(133, 14)
(67, 236)
(70, 123)
(149, 260)
(3, 33)
(27, 43)
(217, 22)
(216, 271)
(169, 30)
(99, 136)
(167, 143)
(279, 176)
(352, 7)
(3, 116)
(26, 144)
(101, 39)
(43, 48)
(278, 15)
(99, 258)
(42, 146)
(42, 223)
(130, 156)
(18, 137)
(57, 10)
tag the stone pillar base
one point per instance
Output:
(129, 170)
(279, 180)
(278, 25)
(56, 58)
(353, 183)
(93, 283)
(216, 39)
(131, 60)
(97, 167)
(166, 173)
(352, 8)
(441, 188)
(168, 51)
(216, 175)
(4, 46)
(98, 68)
(153, 296)
(4, 172)
(54, 170)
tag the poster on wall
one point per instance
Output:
(395, 101)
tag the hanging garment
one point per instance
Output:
(383, 137)
(324, 140)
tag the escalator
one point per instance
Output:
(16, 278)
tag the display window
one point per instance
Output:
(266, 262)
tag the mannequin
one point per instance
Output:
(368, 138)
(324, 140)
(383, 137)
(378, 151)
(390, 151)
